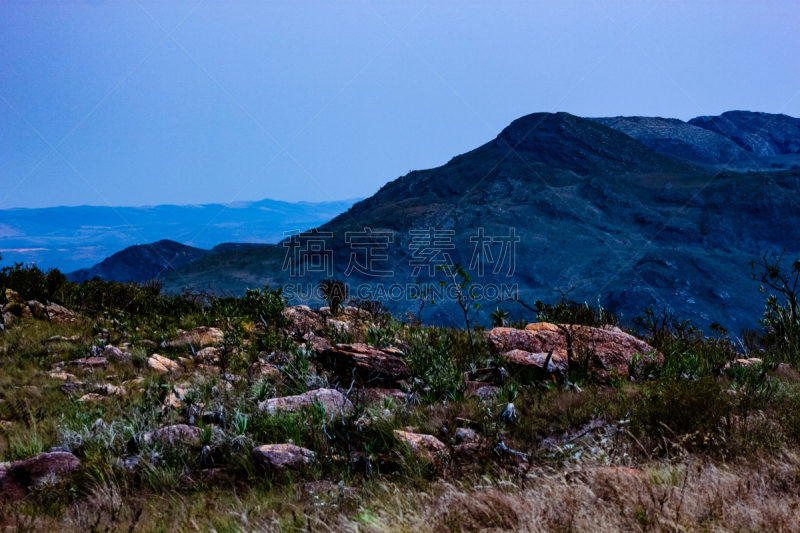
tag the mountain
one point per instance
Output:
(596, 211)
(72, 238)
(761, 134)
(674, 137)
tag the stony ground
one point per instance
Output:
(355, 423)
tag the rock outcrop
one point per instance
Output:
(278, 458)
(332, 401)
(426, 446)
(609, 349)
(18, 477)
(366, 363)
(198, 337)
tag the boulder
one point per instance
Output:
(91, 397)
(332, 401)
(265, 370)
(609, 349)
(278, 458)
(161, 364)
(481, 390)
(26, 312)
(378, 395)
(60, 314)
(366, 363)
(320, 344)
(148, 343)
(303, 321)
(426, 446)
(521, 359)
(198, 337)
(64, 376)
(91, 362)
(109, 390)
(466, 435)
(115, 354)
(37, 309)
(8, 318)
(171, 436)
(17, 477)
(747, 363)
(60, 338)
(542, 326)
(209, 355)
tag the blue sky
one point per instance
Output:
(135, 103)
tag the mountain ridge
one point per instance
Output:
(595, 209)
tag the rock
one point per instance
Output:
(64, 376)
(747, 363)
(466, 435)
(332, 401)
(116, 355)
(521, 359)
(17, 477)
(320, 344)
(209, 355)
(161, 364)
(60, 314)
(37, 310)
(91, 362)
(378, 395)
(8, 318)
(59, 338)
(468, 453)
(26, 312)
(367, 363)
(481, 390)
(278, 458)
(110, 390)
(91, 397)
(198, 337)
(148, 343)
(610, 349)
(99, 425)
(265, 370)
(542, 326)
(171, 436)
(427, 446)
(303, 321)
(495, 376)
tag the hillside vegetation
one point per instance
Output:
(125, 409)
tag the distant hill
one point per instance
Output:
(627, 221)
(72, 238)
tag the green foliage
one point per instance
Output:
(336, 293)
(429, 359)
(568, 311)
(31, 282)
(499, 317)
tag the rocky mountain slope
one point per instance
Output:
(594, 209)
(677, 138)
(761, 134)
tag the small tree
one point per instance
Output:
(335, 293)
(425, 296)
(463, 289)
(782, 319)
